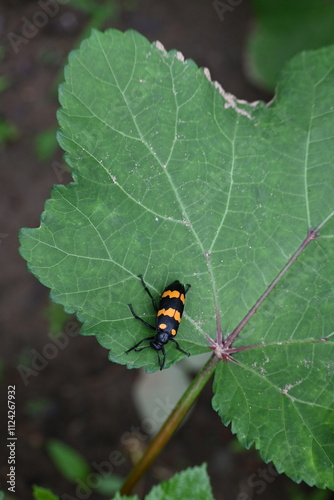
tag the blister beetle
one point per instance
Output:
(168, 318)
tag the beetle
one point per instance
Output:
(167, 321)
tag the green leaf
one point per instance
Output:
(136, 226)
(69, 462)
(190, 483)
(4, 82)
(175, 179)
(45, 144)
(283, 30)
(296, 493)
(56, 317)
(8, 132)
(283, 402)
(118, 496)
(41, 493)
(109, 484)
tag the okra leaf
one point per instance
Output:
(176, 179)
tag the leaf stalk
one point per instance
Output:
(171, 424)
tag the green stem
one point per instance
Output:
(171, 424)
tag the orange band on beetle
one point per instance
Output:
(166, 312)
(173, 294)
(172, 313)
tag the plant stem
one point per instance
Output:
(171, 424)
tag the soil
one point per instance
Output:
(73, 393)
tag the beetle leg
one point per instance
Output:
(148, 292)
(137, 345)
(140, 319)
(178, 347)
(162, 362)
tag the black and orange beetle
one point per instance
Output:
(168, 318)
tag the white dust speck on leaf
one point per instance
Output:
(179, 56)
(160, 47)
(307, 363)
(207, 74)
(232, 102)
(287, 388)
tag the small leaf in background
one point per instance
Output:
(40, 493)
(57, 317)
(108, 485)
(118, 496)
(297, 494)
(46, 144)
(68, 461)
(192, 483)
(4, 83)
(8, 132)
(283, 29)
(39, 407)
